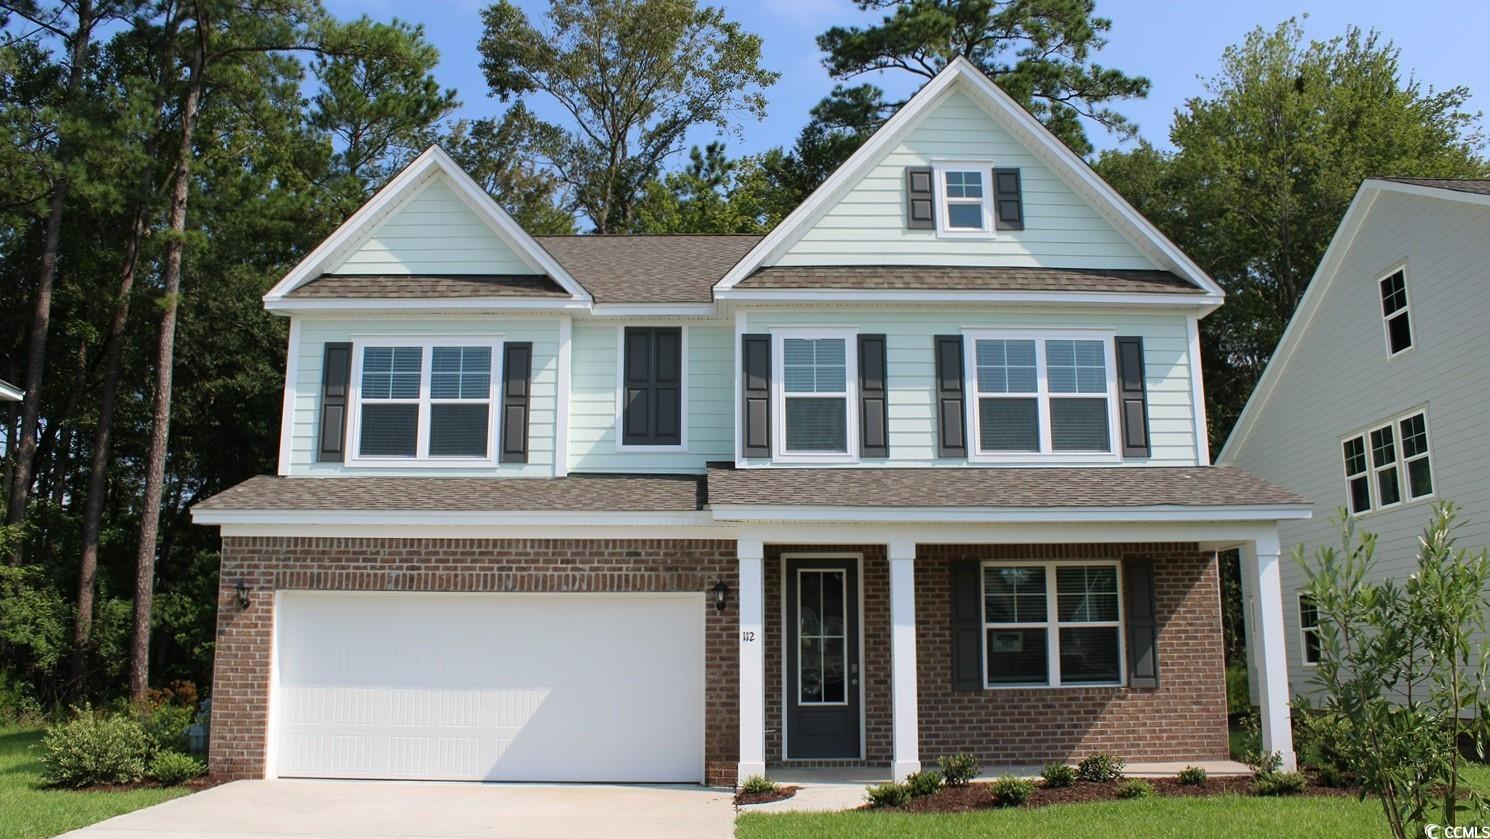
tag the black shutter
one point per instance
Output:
(967, 625)
(1008, 200)
(920, 198)
(653, 386)
(517, 365)
(336, 374)
(950, 407)
(874, 407)
(1134, 396)
(755, 395)
(1142, 621)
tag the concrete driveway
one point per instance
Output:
(406, 810)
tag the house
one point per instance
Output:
(10, 393)
(922, 471)
(1373, 403)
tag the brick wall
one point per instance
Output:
(241, 677)
(1184, 719)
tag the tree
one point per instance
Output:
(634, 76)
(496, 155)
(1038, 51)
(713, 195)
(836, 127)
(1264, 166)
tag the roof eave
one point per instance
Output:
(1010, 515)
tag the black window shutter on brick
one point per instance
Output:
(652, 414)
(336, 375)
(1008, 200)
(967, 625)
(755, 395)
(1134, 397)
(874, 408)
(1142, 622)
(950, 401)
(920, 198)
(517, 366)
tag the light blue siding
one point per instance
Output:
(434, 232)
(316, 333)
(595, 360)
(867, 226)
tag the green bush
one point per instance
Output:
(1279, 783)
(1010, 791)
(757, 785)
(1238, 690)
(1101, 768)
(1192, 776)
(1058, 775)
(1263, 763)
(1135, 789)
(888, 794)
(165, 725)
(958, 769)
(172, 768)
(924, 782)
(1330, 775)
(92, 749)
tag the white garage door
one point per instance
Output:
(501, 687)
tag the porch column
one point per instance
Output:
(1265, 634)
(751, 553)
(907, 730)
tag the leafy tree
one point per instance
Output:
(1265, 164)
(713, 195)
(634, 76)
(835, 129)
(495, 153)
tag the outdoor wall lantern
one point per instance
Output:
(721, 594)
(242, 591)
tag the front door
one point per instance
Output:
(822, 659)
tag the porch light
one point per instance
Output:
(242, 591)
(721, 594)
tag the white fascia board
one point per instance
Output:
(1008, 515)
(10, 392)
(659, 310)
(1204, 302)
(442, 518)
(400, 305)
(1442, 193)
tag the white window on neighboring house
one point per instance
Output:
(815, 412)
(1358, 482)
(965, 196)
(1394, 311)
(1308, 630)
(1389, 464)
(423, 402)
(1052, 624)
(1042, 396)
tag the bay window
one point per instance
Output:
(423, 402)
(1042, 395)
(1052, 624)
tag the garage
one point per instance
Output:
(488, 687)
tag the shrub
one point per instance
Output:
(1330, 775)
(924, 782)
(1101, 768)
(172, 768)
(164, 724)
(1279, 783)
(92, 749)
(1058, 775)
(1238, 689)
(1135, 789)
(1010, 791)
(1264, 763)
(1192, 776)
(757, 785)
(888, 794)
(958, 769)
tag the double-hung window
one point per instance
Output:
(1388, 464)
(1052, 624)
(422, 402)
(1308, 629)
(1042, 395)
(1394, 312)
(815, 414)
(965, 197)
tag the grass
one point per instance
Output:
(29, 812)
(1222, 817)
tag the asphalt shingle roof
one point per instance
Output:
(940, 278)
(429, 285)
(1478, 186)
(577, 493)
(648, 269)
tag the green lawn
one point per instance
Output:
(29, 812)
(1223, 817)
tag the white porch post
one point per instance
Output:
(1265, 639)
(906, 726)
(751, 553)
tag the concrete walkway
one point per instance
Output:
(383, 810)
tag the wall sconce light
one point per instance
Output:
(721, 594)
(242, 591)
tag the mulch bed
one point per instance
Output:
(980, 796)
(195, 785)
(781, 793)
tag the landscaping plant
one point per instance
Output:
(888, 794)
(1058, 775)
(925, 782)
(94, 749)
(1010, 791)
(1101, 768)
(1192, 776)
(1403, 668)
(173, 768)
(757, 785)
(1135, 789)
(958, 769)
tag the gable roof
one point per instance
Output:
(428, 285)
(956, 278)
(963, 75)
(649, 268)
(1474, 192)
(434, 162)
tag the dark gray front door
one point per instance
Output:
(822, 658)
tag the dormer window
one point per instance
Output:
(1394, 311)
(965, 197)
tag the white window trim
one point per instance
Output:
(940, 169)
(1304, 632)
(1052, 624)
(682, 444)
(421, 458)
(848, 676)
(1354, 476)
(1386, 327)
(779, 453)
(1400, 463)
(1042, 395)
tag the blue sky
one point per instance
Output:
(1175, 43)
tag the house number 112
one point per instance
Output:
(747, 636)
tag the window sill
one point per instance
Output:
(650, 448)
(1044, 458)
(421, 463)
(1098, 685)
(810, 457)
(1394, 507)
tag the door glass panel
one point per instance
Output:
(822, 639)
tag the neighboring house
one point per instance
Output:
(922, 471)
(1376, 397)
(10, 393)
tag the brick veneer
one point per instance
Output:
(241, 677)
